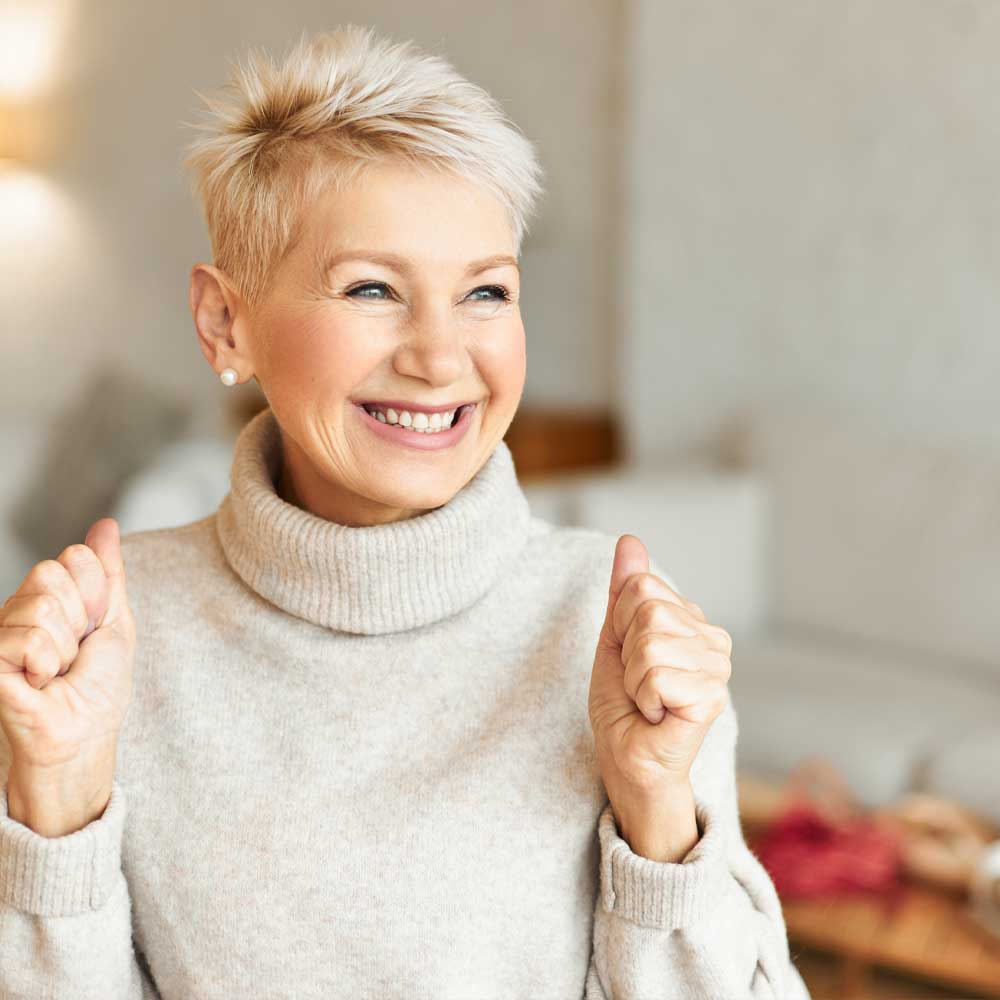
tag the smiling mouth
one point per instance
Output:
(418, 421)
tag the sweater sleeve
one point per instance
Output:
(65, 912)
(709, 926)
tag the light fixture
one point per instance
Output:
(21, 134)
(31, 36)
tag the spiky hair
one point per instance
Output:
(278, 134)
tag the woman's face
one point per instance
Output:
(438, 326)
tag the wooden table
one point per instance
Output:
(928, 935)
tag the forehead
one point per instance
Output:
(404, 214)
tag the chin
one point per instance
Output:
(411, 498)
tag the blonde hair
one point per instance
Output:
(339, 101)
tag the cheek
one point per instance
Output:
(501, 357)
(312, 358)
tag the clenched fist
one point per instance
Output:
(67, 644)
(660, 679)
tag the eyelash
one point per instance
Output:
(503, 296)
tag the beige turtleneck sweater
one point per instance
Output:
(358, 764)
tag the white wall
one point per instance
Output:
(101, 270)
(813, 210)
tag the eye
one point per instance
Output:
(500, 294)
(367, 286)
(497, 293)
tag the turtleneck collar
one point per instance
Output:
(373, 579)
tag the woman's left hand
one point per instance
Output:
(660, 679)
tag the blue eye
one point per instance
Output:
(365, 287)
(500, 294)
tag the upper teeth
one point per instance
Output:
(422, 422)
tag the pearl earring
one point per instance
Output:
(228, 376)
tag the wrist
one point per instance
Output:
(56, 803)
(661, 828)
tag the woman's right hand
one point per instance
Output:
(67, 647)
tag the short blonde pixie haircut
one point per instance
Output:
(339, 101)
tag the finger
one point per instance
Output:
(51, 577)
(694, 697)
(29, 648)
(84, 566)
(630, 557)
(712, 636)
(45, 612)
(104, 538)
(641, 587)
(657, 615)
(655, 650)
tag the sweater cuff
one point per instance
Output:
(61, 876)
(663, 894)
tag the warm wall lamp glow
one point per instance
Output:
(31, 35)
(21, 133)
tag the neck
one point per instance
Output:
(331, 501)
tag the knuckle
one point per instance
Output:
(686, 615)
(702, 640)
(646, 646)
(648, 614)
(48, 573)
(659, 677)
(723, 636)
(721, 663)
(37, 640)
(77, 556)
(646, 585)
(47, 605)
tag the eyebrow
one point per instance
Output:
(403, 265)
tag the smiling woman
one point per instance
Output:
(360, 757)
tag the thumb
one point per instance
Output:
(105, 539)
(630, 558)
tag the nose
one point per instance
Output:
(434, 349)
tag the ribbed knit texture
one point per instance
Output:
(66, 875)
(361, 579)
(358, 763)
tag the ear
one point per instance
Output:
(219, 319)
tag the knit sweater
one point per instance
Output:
(358, 764)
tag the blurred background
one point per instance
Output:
(762, 298)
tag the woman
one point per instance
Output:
(389, 735)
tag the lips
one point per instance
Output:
(422, 439)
